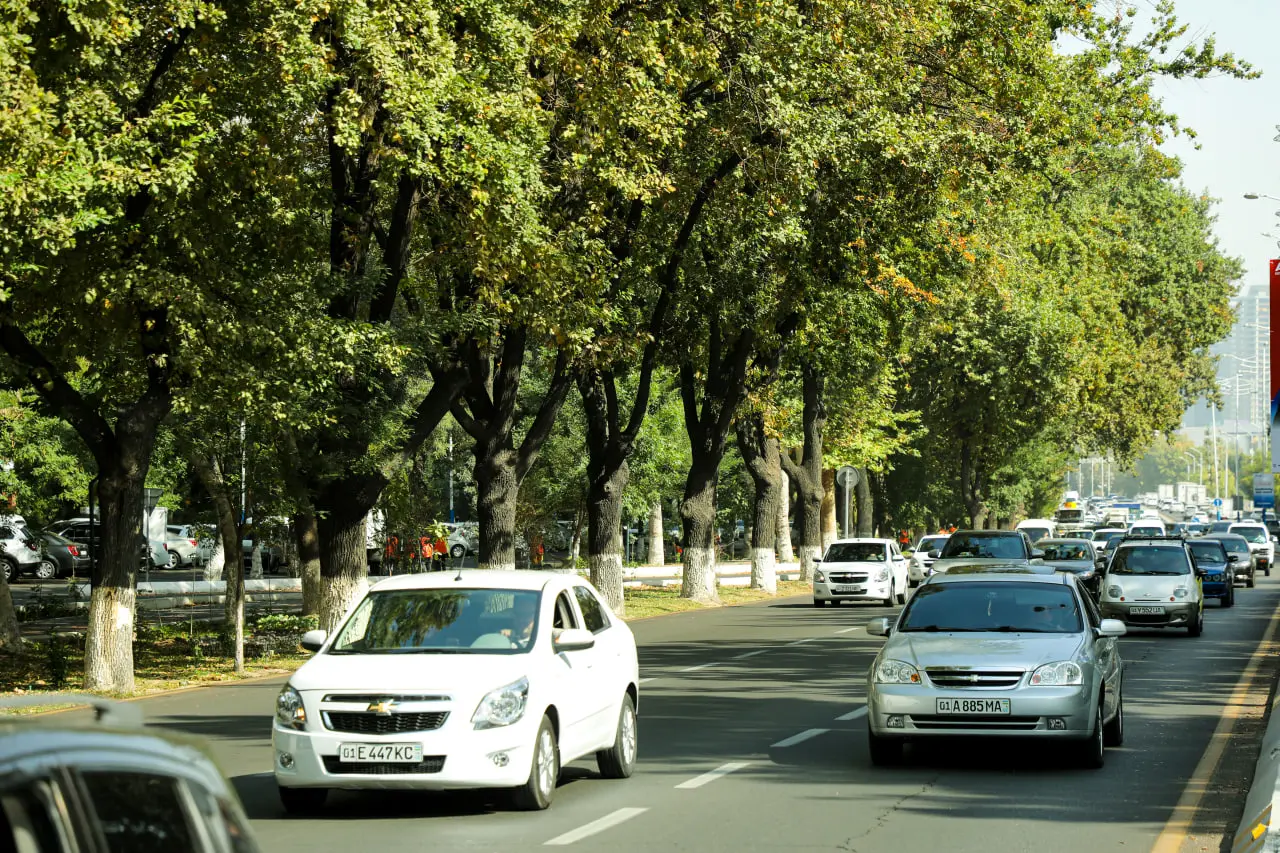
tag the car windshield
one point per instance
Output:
(1149, 560)
(1208, 552)
(1147, 531)
(1036, 533)
(931, 543)
(855, 552)
(1037, 608)
(441, 621)
(1234, 545)
(1256, 535)
(1065, 551)
(985, 547)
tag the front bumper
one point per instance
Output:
(453, 759)
(870, 591)
(919, 571)
(910, 711)
(1242, 571)
(1216, 586)
(1172, 615)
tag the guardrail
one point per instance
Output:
(1257, 830)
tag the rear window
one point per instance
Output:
(855, 552)
(985, 547)
(1150, 560)
(1256, 535)
(1234, 545)
(1066, 551)
(1209, 551)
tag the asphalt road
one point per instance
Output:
(753, 738)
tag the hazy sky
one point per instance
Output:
(1236, 125)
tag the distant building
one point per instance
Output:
(1243, 371)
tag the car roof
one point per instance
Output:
(530, 579)
(1056, 539)
(988, 533)
(998, 572)
(863, 540)
(1247, 524)
(1222, 534)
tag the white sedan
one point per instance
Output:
(479, 679)
(861, 570)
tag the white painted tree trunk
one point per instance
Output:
(700, 575)
(764, 572)
(213, 568)
(606, 576)
(809, 556)
(657, 556)
(255, 561)
(785, 552)
(499, 567)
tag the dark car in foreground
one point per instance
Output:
(1217, 579)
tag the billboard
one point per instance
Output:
(1274, 267)
(1264, 491)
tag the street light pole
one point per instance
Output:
(1217, 489)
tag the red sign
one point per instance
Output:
(1274, 267)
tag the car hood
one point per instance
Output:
(1149, 587)
(1016, 651)
(449, 674)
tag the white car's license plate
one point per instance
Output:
(844, 587)
(1146, 610)
(973, 706)
(380, 753)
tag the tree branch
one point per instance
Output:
(404, 217)
(540, 429)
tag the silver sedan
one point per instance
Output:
(997, 651)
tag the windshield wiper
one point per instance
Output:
(941, 628)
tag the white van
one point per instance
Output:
(1037, 528)
(1147, 527)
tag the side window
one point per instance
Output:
(31, 820)
(138, 812)
(1090, 609)
(593, 616)
(564, 617)
(223, 822)
(6, 532)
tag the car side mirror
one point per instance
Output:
(879, 627)
(1200, 573)
(1037, 554)
(935, 554)
(313, 640)
(1112, 628)
(817, 558)
(573, 640)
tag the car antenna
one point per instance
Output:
(459, 576)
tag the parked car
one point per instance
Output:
(1152, 582)
(1218, 577)
(1239, 556)
(151, 554)
(111, 785)
(19, 551)
(1010, 650)
(182, 550)
(861, 570)
(60, 558)
(515, 674)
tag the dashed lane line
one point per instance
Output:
(647, 680)
(847, 630)
(852, 715)
(799, 738)
(746, 655)
(800, 642)
(712, 775)
(700, 666)
(596, 826)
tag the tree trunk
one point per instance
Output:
(866, 510)
(698, 518)
(829, 529)
(10, 635)
(307, 542)
(760, 453)
(657, 552)
(496, 490)
(575, 541)
(604, 534)
(344, 575)
(217, 562)
(108, 648)
(785, 554)
(209, 471)
(807, 473)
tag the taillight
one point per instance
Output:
(33, 546)
(193, 543)
(73, 550)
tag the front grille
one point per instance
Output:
(362, 723)
(847, 577)
(429, 764)
(954, 677)
(978, 721)
(370, 698)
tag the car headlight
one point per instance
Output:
(1114, 591)
(882, 575)
(290, 713)
(503, 706)
(1086, 576)
(819, 577)
(1180, 592)
(896, 672)
(1063, 673)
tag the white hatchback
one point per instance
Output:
(479, 679)
(861, 570)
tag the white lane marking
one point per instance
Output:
(847, 630)
(852, 715)
(800, 738)
(700, 666)
(647, 680)
(750, 654)
(712, 775)
(801, 642)
(589, 829)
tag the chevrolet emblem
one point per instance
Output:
(382, 707)
(973, 679)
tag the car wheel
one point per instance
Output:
(902, 596)
(536, 794)
(1196, 628)
(1113, 734)
(458, 552)
(303, 801)
(173, 560)
(1094, 755)
(47, 570)
(885, 751)
(1249, 581)
(889, 599)
(619, 760)
(819, 603)
(10, 571)
(1229, 599)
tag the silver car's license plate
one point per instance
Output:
(961, 707)
(380, 753)
(1146, 610)
(844, 587)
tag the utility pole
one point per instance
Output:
(1217, 488)
(451, 518)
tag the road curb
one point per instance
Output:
(189, 688)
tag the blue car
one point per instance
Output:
(1217, 581)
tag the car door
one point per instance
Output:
(899, 568)
(1106, 657)
(611, 664)
(577, 676)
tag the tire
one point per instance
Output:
(1094, 754)
(303, 801)
(885, 752)
(1113, 733)
(1249, 582)
(619, 760)
(888, 602)
(457, 552)
(902, 596)
(47, 570)
(174, 560)
(1196, 628)
(544, 770)
(1229, 599)
(819, 603)
(10, 571)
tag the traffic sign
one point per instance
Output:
(847, 476)
(1217, 501)
(1264, 490)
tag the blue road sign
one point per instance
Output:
(1217, 501)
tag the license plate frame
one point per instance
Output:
(848, 588)
(380, 753)
(954, 706)
(1147, 610)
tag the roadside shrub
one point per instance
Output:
(284, 623)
